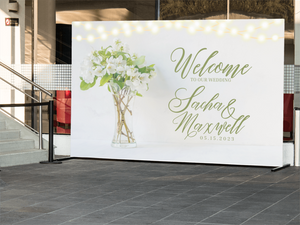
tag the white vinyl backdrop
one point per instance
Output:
(256, 95)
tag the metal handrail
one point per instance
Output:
(19, 89)
(15, 118)
(41, 89)
(50, 112)
(25, 79)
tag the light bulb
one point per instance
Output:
(90, 38)
(88, 26)
(78, 38)
(168, 25)
(261, 38)
(246, 36)
(192, 29)
(104, 36)
(115, 31)
(234, 31)
(77, 24)
(178, 25)
(275, 37)
(250, 28)
(265, 25)
(101, 29)
(155, 29)
(139, 29)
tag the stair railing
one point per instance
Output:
(39, 103)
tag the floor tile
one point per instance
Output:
(88, 192)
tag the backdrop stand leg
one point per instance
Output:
(51, 151)
(280, 167)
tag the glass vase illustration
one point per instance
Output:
(123, 133)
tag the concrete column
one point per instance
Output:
(46, 42)
(297, 47)
(46, 32)
(297, 32)
(297, 95)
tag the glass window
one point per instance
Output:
(193, 9)
(259, 9)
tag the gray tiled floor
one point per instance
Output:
(88, 192)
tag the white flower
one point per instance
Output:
(118, 46)
(97, 59)
(144, 77)
(152, 74)
(133, 73)
(131, 85)
(110, 67)
(119, 61)
(87, 71)
(99, 71)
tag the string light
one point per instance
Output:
(104, 36)
(127, 32)
(223, 25)
(265, 25)
(139, 29)
(115, 31)
(220, 32)
(101, 29)
(126, 26)
(246, 36)
(178, 25)
(90, 38)
(261, 38)
(275, 37)
(77, 24)
(192, 29)
(278, 21)
(220, 28)
(78, 38)
(197, 23)
(150, 23)
(208, 29)
(234, 31)
(155, 29)
(88, 26)
(250, 28)
(168, 25)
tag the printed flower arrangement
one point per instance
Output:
(126, 75)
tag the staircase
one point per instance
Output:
(18, 145)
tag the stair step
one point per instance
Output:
(2, 125)
(9, 134)
(18, 144)
(22, 157)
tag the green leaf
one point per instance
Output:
(121, 83)
(129, 62)
(138, 94)
(95, 64)
(108, 88)
(143, 69)
(152, 65)
(139, 61)
(122, 54)
(85, 86)
(105, 79)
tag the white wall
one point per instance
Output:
(62, 144)
(12, 42)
